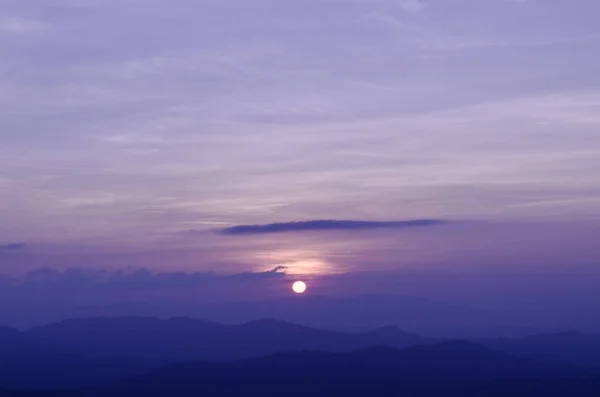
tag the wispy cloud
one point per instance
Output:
(17, 25)
(367, 121)
(12, 247)
(412, 5)
(329, 224)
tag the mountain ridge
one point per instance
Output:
(130, 345)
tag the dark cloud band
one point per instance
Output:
(320, 225)
(12, 247)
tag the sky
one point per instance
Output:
(329, 140)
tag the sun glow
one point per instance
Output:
(299, 287)
(296, 262)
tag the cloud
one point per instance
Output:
(12, 247)
(47, 295)
(15, 25)
(258, 105)
(330, 224)
(141, 278)
(412, 5)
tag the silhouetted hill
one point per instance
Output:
(30, 393)
(16, 343)
(90, 352)
(418, 371)
(182, 339)
(572, 347)
(93, 352)
(463, 360)
(452, 359)
(356, 313)
(30, 362)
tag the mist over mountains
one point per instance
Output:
(359, 313)
(145, 355)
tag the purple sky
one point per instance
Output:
(131, 132)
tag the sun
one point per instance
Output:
(299, 287)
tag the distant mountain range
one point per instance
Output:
(189, 339)
(435, 370)
(352, 314)
(573, 347)
(95, 352)
(101, 350)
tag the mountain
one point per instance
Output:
(183, 339)
(33, 393)
(356, 313)
(572, 347)
(126, 356)
(30, 362)
(417, 371)
(93, 352)
(446, 360)
(97, 351)
(352, 313)
(14, 343)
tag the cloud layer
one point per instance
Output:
(13, 247)
(127, 123)
(321, 225)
